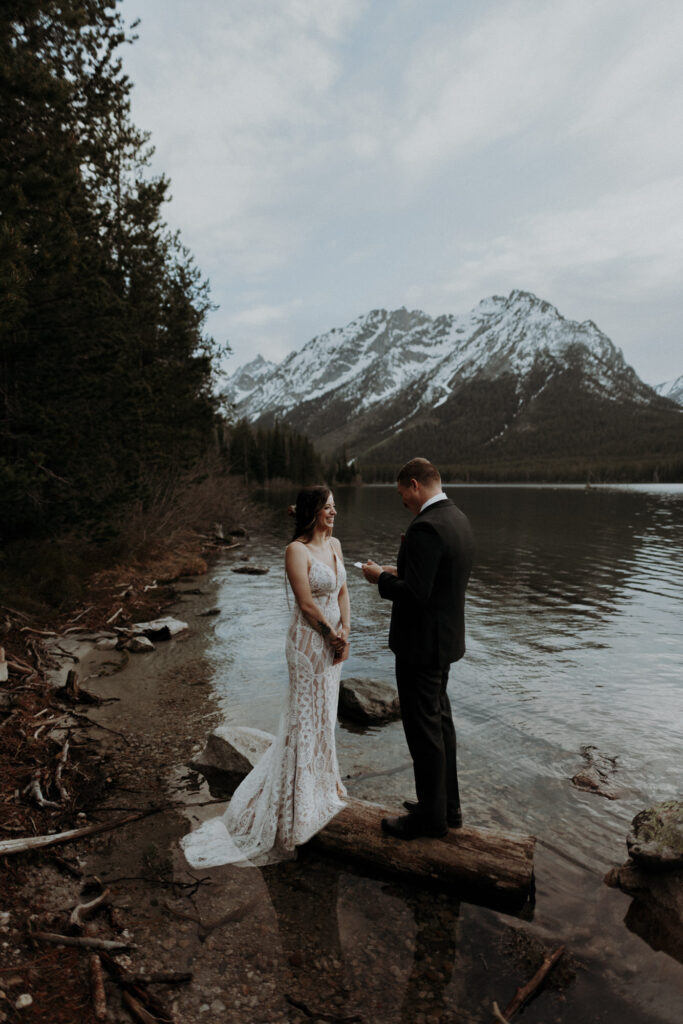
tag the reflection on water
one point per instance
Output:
(574, 638)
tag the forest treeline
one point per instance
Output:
(107, 389)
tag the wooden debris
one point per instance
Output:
(497, 863)
(99, 999)
(524, 992)
(82, 941)
(162, 978)
(72, 692)
(61, 762)
(83, 910)
(34, 791)
(140, 1013)
(11, 846)
(114, 617)
(145, 1006)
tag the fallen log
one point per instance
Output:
(481, 862)
(495, 862)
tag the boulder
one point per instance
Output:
(655, 841)
(368, 701)
(656, 911)
(251, 570)
(233, 750)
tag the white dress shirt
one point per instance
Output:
(430, 501)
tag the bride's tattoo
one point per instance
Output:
(324, 628)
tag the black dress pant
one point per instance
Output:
(430, 734)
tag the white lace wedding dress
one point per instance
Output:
(295, 789)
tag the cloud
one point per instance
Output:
(236, 119)
(354, 154)
(262, 316)
(626, 247)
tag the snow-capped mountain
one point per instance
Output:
(511, 378)
(671, 389)
(246, 380)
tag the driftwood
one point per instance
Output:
(500, 863)
(34, 791)
(483, 862)
(83, 910)
(10, 846)
(99, 999)
(81, 941)
(162, 978)
(524, 992)
(61, 761)
(72, 692)
(143, 1005)
(139, 1012)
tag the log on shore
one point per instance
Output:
(501, 864)
(480, 862)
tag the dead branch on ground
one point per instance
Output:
(82, 941)
(524, 992)
(99, 999)
(83, 910)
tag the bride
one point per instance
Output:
(295, 789)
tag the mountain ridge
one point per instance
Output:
(393, 378)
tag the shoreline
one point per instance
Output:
(308, 940)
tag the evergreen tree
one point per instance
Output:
(105, 372)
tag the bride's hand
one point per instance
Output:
(338, 641)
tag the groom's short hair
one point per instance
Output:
(422, 470)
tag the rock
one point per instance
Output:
(159, 629)
(656, 912)
(233, 751)
(595, 776)
(3, 666)
(368, 701)
(139, 644)
(210, 611)
(24, 1001)
(656, 837)
(251, 570)
(106, 643)
(238, 531)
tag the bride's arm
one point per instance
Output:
(296, 565)
(344, 603)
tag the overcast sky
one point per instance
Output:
(329, 157)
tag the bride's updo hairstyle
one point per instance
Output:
(309, 504)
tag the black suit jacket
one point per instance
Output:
(428, 594)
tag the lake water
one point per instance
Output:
(574, 622)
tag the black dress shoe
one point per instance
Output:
(411, 826)
(454, 820)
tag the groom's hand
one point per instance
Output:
(372, 571)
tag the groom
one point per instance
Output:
(427, 633)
